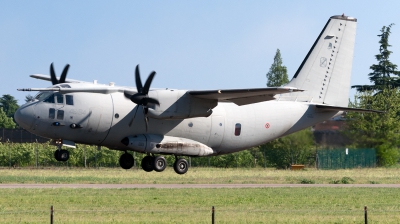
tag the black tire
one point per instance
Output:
(181, 166)
(126, 161)
(148, 163)
(63, 155)
(57, 155)
(159, 164)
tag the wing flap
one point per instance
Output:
(243, 96)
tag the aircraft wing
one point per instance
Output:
(48, 78)
(335, 108)
(243, 96)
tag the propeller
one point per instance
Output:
(141, 97)
(54, 79)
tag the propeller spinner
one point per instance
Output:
(141, 97)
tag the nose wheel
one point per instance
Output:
(61, 155)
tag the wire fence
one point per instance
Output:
(361, 214)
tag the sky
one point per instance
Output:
(190, 44)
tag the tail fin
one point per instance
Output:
(325, 72)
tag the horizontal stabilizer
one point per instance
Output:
(243, 96)
(335, 108)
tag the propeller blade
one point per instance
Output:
(139, 85)
(127, 95)
(64, 74)
(53, 75)
(152, 100)
(148, 83)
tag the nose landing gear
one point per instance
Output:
(61, 155)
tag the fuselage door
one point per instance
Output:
(217, 131)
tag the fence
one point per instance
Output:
(52, 213)
(346, 158)
(20, 135)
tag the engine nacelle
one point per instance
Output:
(169, 145)
(178, 104)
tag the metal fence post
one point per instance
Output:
(365, 215)
(37, 154)
(51, 214)
(212, 215)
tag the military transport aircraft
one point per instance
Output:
(193, 122)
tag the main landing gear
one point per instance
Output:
(156, 163)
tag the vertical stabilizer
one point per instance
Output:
(325, 72)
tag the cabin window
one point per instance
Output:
(238, 129)
(60, 98)
(49, 99)
(52, 113)
(69, 100)
(60, 114)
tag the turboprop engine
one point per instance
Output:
(160, 144)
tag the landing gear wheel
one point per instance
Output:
(61, 155)
(64, 155)
(148, 163)
(56, 155)
(126, 161)
(160, 164)
(181, 166)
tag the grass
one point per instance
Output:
(263, 205)
(200, 176)
(260, 205)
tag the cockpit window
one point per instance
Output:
(42, 95)
(69, 99)
(49, 99)
(60, 98)
(52, 113)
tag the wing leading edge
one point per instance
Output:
(243, 96)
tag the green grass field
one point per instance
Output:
(260, 205)
(200, 176)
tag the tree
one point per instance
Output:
(5, 121)
(9, 104)
(379, 131)
(295, 148)
(29, 98)
(382, 73)
(277, 75)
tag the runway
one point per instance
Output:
(182, 186)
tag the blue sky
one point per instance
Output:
(190, 44)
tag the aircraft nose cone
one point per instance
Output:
(25, 116)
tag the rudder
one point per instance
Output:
(325, 72)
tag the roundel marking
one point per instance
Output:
(267, 125)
